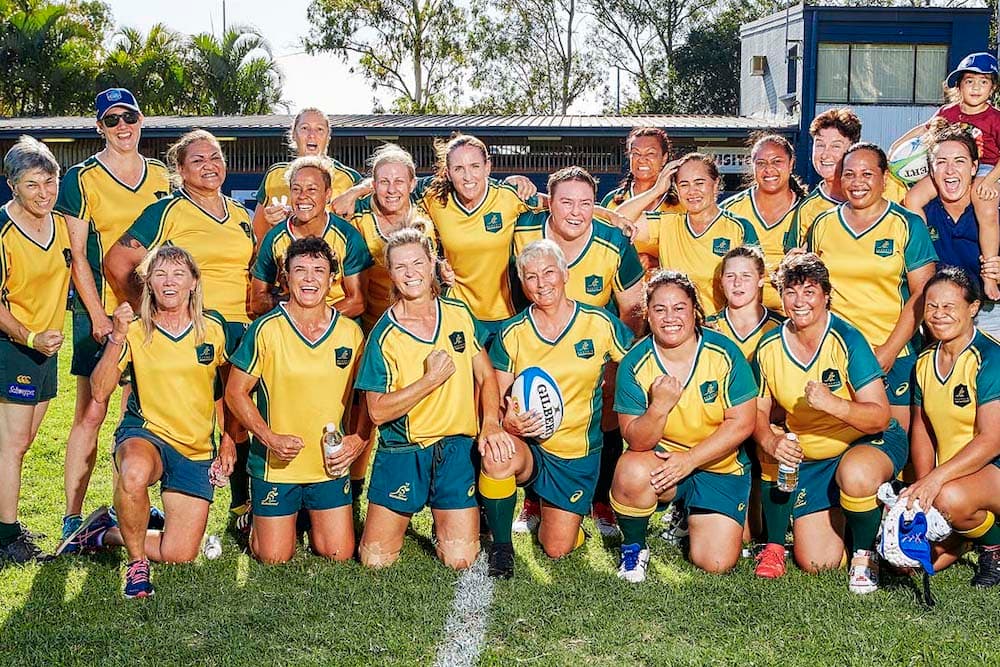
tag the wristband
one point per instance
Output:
(30, 340)
(111, 339)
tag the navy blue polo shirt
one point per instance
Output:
(956, 241)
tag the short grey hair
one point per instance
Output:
(392, 154)
(537, 250)
(27, 154)
(316, 162)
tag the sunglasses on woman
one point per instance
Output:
(111, 119)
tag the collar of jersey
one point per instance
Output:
(437, 325)
(562, 334)
(847, 227)
(729, 323)
(694, 363)
(470, 211)
(687, 224)
(934, 357)
(586, 248)
(114, 177)
(788, 350)
(52, 229)
(181, 193)
(763, 223)
(179, 337)
(302, 337)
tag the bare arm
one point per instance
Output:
(737, 425)
(238, 387)
(353, 303)
(868, 411)
(120, 263)
(83, 278)
(630, 306)
(909, 319)
(104, 379)
(921, 443)
(383, 408)
(261, 298)
(642, 432)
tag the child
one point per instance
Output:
(970, 88)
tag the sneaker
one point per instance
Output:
(634, 562)
(863, 576)
(529, 518)
(771, 562)
(988, 568)
(677, 525)
(23, 550)
(90, 533)
(70, 525)
(137, 583)
(157, 520)
(604, 517)
(501, 561)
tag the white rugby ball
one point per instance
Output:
(534, 389)
(908, 162)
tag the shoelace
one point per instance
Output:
(630, 558)
(138, 572)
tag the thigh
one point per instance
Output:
(458, 526)
(184, 526)
(453, 475)
(716, 541)
(558, 529)
(273, 538)
(332, 532)
(819, 540)
(384, 528)
(632, 478)
(972, 493)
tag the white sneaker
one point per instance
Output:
(863, 576)
(634, 562)
(675, 519)
(604, 518)
(529, 518)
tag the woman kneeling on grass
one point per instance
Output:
(954, 439)
(175, 352)
(301, 358)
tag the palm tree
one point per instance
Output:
(234, 75)
(151, 66)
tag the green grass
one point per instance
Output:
(574, 611)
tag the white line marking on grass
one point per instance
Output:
(465, 627)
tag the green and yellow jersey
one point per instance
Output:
(302, 386)
(378, 294)
(819, 201)
(699, 255)
(342, 178)
(173, 384)
(843, 362)
(607, 264)
(720, 378)
(950, 402)
(34, 278)
(868, 270)
(477, 245)
(775, 240)
(575, 360)
(348, 248)
(394, 359)
(721, 323)
(221, 248)
(648, 247)
(91, 193)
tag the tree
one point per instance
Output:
(234, 75)
(151, 66)
(529, 58)
(412, 48)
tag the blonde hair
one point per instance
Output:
(408, 236)
(177, 152)
(324, 164)
(298, 119)
(147, 305)
(393, 154)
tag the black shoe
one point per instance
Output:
(501, 561)
(23, 550)
(988, 569)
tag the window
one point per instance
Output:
(881, 73)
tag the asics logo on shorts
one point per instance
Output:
(576, 496)
(401, 493)
(271, 499)
(901, 389)
(472, 491)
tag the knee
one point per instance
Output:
(714, 561)
(92, 417)
(631, 477)
(856, 479)
(377, 555)
(179, 555)
(332, 549)
(953, 502)
(458, 554)
(17, 445)
(497, 469)
(133, 479)
(556, 549)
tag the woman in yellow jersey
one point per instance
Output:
(693, 242)
(648, 151)
(35, 259)
(684, 396)
(770, 203)
(215, 230)
(300, 359)
(954, 440)
(309, 179)
(175, 352)
(573, 342)
(879, 255)
(822, 409)
(309, 135)
(428, 380)
(100, 197)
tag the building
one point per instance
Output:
(887, 64)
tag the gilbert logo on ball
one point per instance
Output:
(908, 161)
(535, 390)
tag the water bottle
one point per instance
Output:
(332, 441)
(213, 547)
(788, 476)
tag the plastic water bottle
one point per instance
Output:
(213, 547)
(332, 441)
(788, 476)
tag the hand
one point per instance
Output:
(628, 227)
(925, 491)
(122, 318)
(286, 447)
(350, 449)
(522, 424)
(797, 250)
(225, 461)
(496, 443)
(676, 466)
(885, 357)
(48, 342)
(665, 392)
(277, 211)
(344, 204)
(666, 176)
(446, 273)
(525, 188)
(819, 397)
(987, 189)
(991, 289)
(783, 449)
(438, 366)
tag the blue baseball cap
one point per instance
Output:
(980, 63)
(114, 97)
(913, 540)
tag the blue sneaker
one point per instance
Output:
(634, 561)
(157, 520)
(70, 525)
(90, 533)
(137, 583)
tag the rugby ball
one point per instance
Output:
(534, 389)
(908, 161)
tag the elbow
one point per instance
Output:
(352, 306)
(376, 412)
(880, 422)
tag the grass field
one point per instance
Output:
(233, 611)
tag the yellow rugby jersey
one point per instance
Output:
(608, 263)
(720, 378)
(699, 255)
(394, 359)
(345, 241)
(818, 201)
(648, 247)
(843, 362)
(774, 240)
(868, 270)
(342, 178)
(950, 402)
(34, 279)
(477, 244)
(720, 322)
(90, 192)
(378, 294)
(576, 361)
(302, 386)
(173, 384)
(221, 248)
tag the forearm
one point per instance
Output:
(921, 448)
(724, 441)
(906, 325)
(104, 379)
(866, 417)
(351, 305)
(241, 409)
(645, 431)
(386, 407)
(639, 204)
(261, 298)
(972, 458)
(12, 327)
(86, 289)
(489, 397)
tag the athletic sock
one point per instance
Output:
(633, 529)
(776, 507)
(992, 537)
(239, 481)
(863, 520)
(9, 533)
(357, 488)
(611, 451)
(498, 498)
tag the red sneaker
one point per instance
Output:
(529, 518)
(771, 562)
